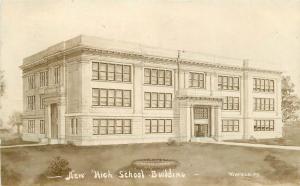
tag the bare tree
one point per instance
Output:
(15, 120)
(290, 101)
(2, 85)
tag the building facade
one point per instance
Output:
(92, 91)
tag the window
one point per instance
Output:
(147, 76)
(157, 100)
(111, 97)
(161, 77)
(126, 98)
(200, 113)
(30, 102)
(111, 72)
(74, 126)
(154, 76)
(44, 79)
(157, 77)
(111, 126)
(158, 126)
(119, 74)
(263, 85)
(56, 75)
(228, 83)
(264, 125)
(42, 127)
(31, 126)
(31, 82)
(230, 126)
(231, 103)
(197, 80)
(95, 70)
(147, 101)
(263, 104)
(42, 102)
(168, 78)
(161, 100)
(126, 73)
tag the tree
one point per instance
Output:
(2, 84)
(15, 120)
(290, 101)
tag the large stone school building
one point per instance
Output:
(93, 91)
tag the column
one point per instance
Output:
(61, 123)
(245, 99)
(192, 121)
(49, 121)
(138, 99)
(212, 121)
(188, 122)
(218, 122)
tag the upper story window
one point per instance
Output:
(30, 102)
(111, 72)
(231, 103)
(111, 97)
(197, 80)
(42, 102)
(31, 82)
(44, 79)
(263, 85)
(157, 77)
(263, 104)
(228, 83)
(158, 100)
(201, 113)
(56, 75)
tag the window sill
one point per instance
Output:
(261, 92)
(149, 85)
(231, 110)
(95, 106)
(222, 90)
(111, 81)
(198, 88)
(263, 110)
(165, 133)
(110, 135)
(158, 108)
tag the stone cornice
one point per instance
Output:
(136, 56)
(199, 98)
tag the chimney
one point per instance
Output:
(245, 63)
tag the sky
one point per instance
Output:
(267, 32)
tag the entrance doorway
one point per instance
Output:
(202, 121)
(54, 121)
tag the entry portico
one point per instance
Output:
(200, 117)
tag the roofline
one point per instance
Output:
(69, 46)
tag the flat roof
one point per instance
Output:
(135, 48)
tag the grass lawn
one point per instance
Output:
(271, 141)
(15, 141)
(203, 164)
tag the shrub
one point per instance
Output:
(58, 167)
(173, 142)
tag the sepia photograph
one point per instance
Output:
(159, 92)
